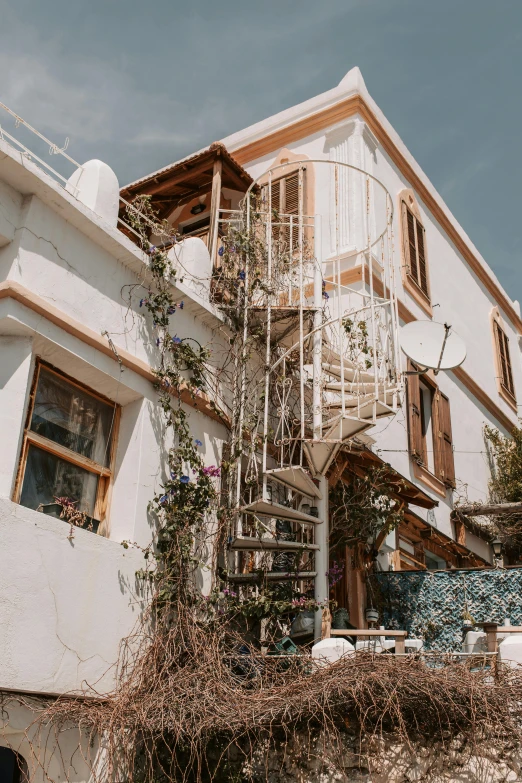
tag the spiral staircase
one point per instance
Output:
(331, 373)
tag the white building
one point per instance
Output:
(78, 406)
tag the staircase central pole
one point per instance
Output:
(321, 530)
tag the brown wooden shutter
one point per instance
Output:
(423, 277)
(414, 415)
(447, 462)
(413, 270)
(415, 250)
(504, 360)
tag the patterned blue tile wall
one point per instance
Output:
(430, 605)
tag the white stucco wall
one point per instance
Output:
(66, 603)
(461, 300)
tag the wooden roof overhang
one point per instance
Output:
(178, 184)
(440, 544)
(357, 460)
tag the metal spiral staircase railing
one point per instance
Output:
(331, 370)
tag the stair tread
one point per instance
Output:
(350, 371)
(270, 509)
(296, 477)
(320, 454)
(259, 544)
(274, 576)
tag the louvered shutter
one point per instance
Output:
(414, 416)
(504, 360)
(423, 276)
(413, 270)
(291, 207)
(415, 250)
(447, 462)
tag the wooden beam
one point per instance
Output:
(215, 204)
(491, 636)
(240, 184)
(175, 179)
(326, 624)
(487, 509)
(368, 632)
(337, 471)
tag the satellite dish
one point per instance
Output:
(432, 345)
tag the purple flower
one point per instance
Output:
(212, 470)
(163, 499)
(185, 479)
(171, 310)
(152, 250)
(176, 340)
(232, 249)
(221, 250)
(172, 475)
(242, 275)
(142, 302)
(198, 443)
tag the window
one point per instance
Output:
(68, 447)
(414, 251)
(503, 359)
(429, 428)
(416, 258)
(287, 197)
(13, 767)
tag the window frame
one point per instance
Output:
(442, 477)
(30, 438)
(282, 232)
(408, 205)
(498, 333)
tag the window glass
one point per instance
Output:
(13, 768)
(72, 418)
(426, 397)
(48, 477)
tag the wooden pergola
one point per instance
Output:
(350, 591)
(206, 172)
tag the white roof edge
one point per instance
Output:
(353, 83)
(28, 179)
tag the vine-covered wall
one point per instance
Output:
(432, 605)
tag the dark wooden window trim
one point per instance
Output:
(443, 474)
(415, 264)
(106, 474)
(503, 355)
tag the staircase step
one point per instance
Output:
(320, 454)
(351, 373)
(260, 544)
(353, 388)
(353, 402)
(266, 508)
(295, 477)
(345, 427)
(272, 576)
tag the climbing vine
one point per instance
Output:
(188, 492)
(505, 485)
(196, 699)
(363, 508)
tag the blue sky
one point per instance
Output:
(139, 84)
